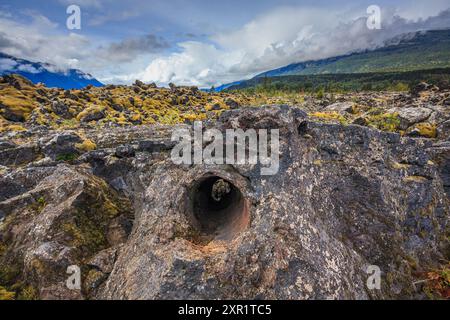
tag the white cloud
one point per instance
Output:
(7, 64)
(83, 3)
(283, 36)
(10, 65)
(422, 9)
(28, 68)
(195, 65)
(40, 41)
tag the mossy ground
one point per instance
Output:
(6, 295)
(384, 121)
(117, 105)
(146, 104)
(329, 116)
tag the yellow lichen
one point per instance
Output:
(28, 293)
(195, 116)
(17, 102)
(328, 116)
(135, 117)
(384, 121)
(317, 162)
(6, 295)
(90, 110)
(427, 130)
(12, 127)
(399, 166)
(418, 179)
(86, 145)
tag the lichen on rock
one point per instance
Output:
(104, 195)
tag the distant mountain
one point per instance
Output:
(415, 51)
(418, 51)
(226, 86)
(42, 72)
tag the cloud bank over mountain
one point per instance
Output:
(282, 37)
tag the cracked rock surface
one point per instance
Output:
(141, 227)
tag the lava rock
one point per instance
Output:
(155, 146)
(124, 151)
(411, 115)
(6, 145)
(61, 109)
(61, 145)
(22, 154)
(233, 104)
(93, 116)
(341, 107)
(338, 190)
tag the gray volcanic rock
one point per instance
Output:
(444, 130)
(59, 221)
(61, 109)
(344, 198)
(61, 144)
(141, 227)
(411, 115)
(94, 116)
(341, 107)
(19, 155)
(441, 156)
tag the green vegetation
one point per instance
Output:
(66, 157)
(28, 293)
(339, 83)
(39, 205)
(384, 121)
(329, 116)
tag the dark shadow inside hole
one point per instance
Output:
(219, 209)
(302, 128)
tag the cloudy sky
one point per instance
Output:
(202, 42)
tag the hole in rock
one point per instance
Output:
(302, 128)
(218, 209)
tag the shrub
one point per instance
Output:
(66, 157)
(384, 121)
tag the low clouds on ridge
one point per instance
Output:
(282, 37)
